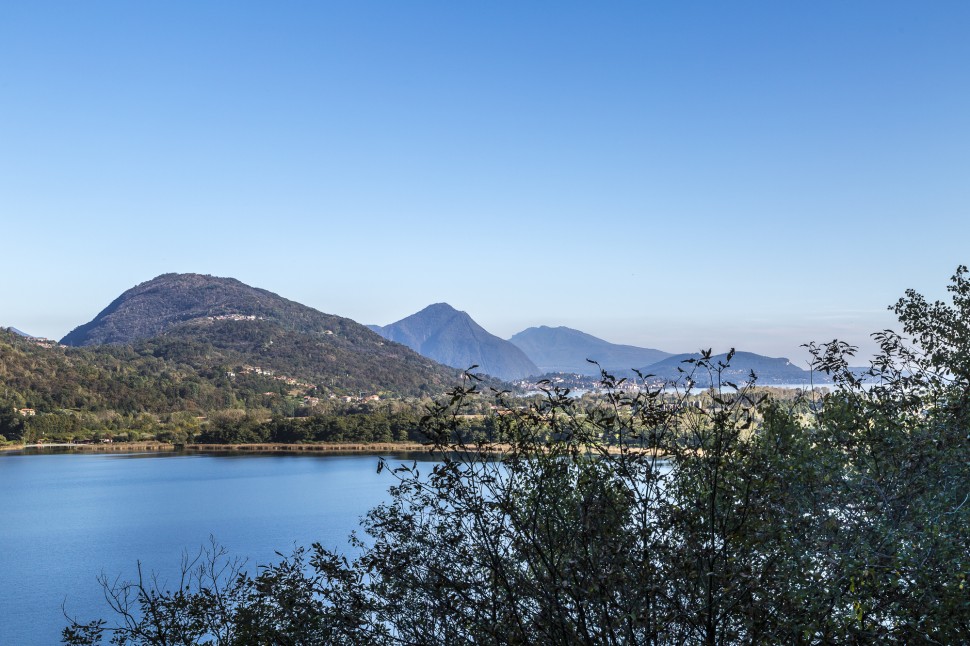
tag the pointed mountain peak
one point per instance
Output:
(440, 307)
(452, 337)
(439, 310)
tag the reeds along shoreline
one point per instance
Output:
(162, 447)
(327, 447)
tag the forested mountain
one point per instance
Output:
(148, 309)
(451, 337)
(209, 323)
(768, 370)
(562, 349)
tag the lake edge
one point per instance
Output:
(272, 448)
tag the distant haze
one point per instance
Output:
(562, 349)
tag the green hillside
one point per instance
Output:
(184, 346)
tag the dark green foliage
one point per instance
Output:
(233, 430)
(188, 375)
(218, 602)
(340, 426)
(11, 423)
(345, 364)
(98, 380)
(650, 520)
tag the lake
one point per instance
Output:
(65, 518)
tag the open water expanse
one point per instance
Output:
(65, 518)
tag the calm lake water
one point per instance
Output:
(65, 518)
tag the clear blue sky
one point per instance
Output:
(673, 175)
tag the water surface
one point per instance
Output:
(65, 518)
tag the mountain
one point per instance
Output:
(448, 336)
(562, 349)
(19, 333)
(769, 370)
(208, 322)
(148, 309)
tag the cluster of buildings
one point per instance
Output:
(234, 317)
(347, 399)
(289, 381)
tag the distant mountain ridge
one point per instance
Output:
(769, 370)
(453, 338)
(562, 349)
(208, 321)
(448, 336)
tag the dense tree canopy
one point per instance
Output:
(182, 390)
(646, 520)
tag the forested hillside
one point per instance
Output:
(174, 382)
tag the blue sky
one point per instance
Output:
(672, 175)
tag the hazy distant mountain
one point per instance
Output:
(206, 322)
(19, 333)
(561, 349)
(451, 337)
(768, 370)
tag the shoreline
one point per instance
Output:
(330, 448)
(164, 447)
